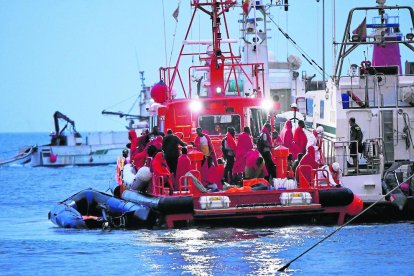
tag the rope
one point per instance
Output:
(311, 61)
(342, 226)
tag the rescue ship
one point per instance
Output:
(378, 93)
(229, 90)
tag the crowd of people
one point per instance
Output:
(241, 160)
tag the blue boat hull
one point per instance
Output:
(93, 209)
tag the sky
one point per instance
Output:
(81, 57)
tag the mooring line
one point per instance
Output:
(342, 226)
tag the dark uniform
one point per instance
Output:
(355, 134)
(170, 148)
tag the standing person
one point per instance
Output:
(230, 149)
(265, 152)
(300, 139)
(170, 145)
(143, 140)
(132, 137)
(355, 138)
(244, 145)
(286, 135)
(318, 133)
(203, 143)
(183, 166)
(155, 132)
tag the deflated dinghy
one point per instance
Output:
(93, 209)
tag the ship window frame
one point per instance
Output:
(224, 120)
(309, 107)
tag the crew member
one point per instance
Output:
(332, 173)
(170, 145)
(355, 137)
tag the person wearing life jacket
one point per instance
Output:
(266, 152)
(230, 149)
(203, 143)
(183, 166)
(300, 139)
(255, 165)
(308, 163)
(332, 173)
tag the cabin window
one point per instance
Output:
(218, 124)
(322, 109)
(309, 107)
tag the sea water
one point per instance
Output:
(31, 245)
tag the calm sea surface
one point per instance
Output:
(31, 245)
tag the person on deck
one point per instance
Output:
(306, 165)
(255, 165)
(276, 141)
(159, 167)
(230, 149)
(244, 145)
(318, 133)
(286, 135)
(332, 173)
(143, 140)
(300, 139)
(203, 143)
(157, 142)
(266, 153)
(132, 136)
(170, 145)
(296, 162)
(183, 166)
(355, 138)
(155, 132)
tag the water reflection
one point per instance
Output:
(204, 251)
